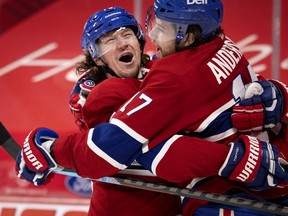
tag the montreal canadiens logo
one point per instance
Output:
(79, 186)
(89, 83)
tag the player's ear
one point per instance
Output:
(189, 39)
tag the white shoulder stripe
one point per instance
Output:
(101, 153)
(162, 152)
(131, 133)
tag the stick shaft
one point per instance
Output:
(191, 193)
(11, 147)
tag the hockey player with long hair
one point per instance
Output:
(109, 75)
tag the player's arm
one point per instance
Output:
(255, 164)
(110, 147)
(101, 151)
(180, 159)
(103, 100)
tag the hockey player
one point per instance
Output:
(109, 65)
(131, 135)
(191, 32)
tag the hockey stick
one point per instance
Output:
(12, 148)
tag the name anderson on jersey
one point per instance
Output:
(225, 61)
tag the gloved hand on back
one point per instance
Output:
(261, 109)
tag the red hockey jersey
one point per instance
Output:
(190, 92)
(109, 199)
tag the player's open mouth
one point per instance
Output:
(126, 57)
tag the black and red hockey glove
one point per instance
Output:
(262, 108)
(78, 96)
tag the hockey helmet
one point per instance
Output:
(105, 21)
(208, 14)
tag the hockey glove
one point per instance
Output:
(255, 163)
(34, 162)
(78, 96)
(261, 109)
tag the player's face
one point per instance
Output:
(163, 38)
(120, 50)
(162, 34)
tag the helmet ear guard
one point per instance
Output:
(105, 21)
(91, 48)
